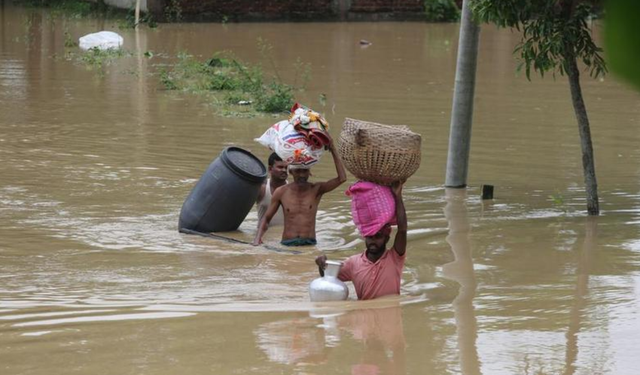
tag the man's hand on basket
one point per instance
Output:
(396, 187)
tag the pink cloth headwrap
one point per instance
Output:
(372, 206)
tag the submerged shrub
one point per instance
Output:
(240, 83)
(219, 81)
(277, 97)
(167, 80)
(69, 42)
(98, 58)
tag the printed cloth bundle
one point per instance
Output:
(311, 124)
(299, 140)
(372, 206)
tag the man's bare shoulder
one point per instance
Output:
(285, 188)
(315, 188)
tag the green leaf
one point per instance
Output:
(622, 38)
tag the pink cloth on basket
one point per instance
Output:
(372, 206)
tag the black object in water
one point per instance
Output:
(225, 193)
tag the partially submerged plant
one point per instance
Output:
(69, 42)
(558, 201)
(240, 83)
(97, 58)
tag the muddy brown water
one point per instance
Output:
(95, 278)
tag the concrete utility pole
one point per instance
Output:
(462, 110)
(137, 13)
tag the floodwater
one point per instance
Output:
(95, 165)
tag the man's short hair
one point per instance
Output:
(273, 158)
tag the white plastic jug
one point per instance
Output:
(329, 287)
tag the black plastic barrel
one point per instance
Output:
(225, 193)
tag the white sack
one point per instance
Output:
(102, 40)
(291, 146)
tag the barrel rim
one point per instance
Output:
(239, 171)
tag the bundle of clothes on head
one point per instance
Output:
(310, 124)
(300, 140)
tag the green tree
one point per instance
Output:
(622, 39)
(555, 36)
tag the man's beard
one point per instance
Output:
(374, 249)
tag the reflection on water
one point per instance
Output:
(581, 292)
(373, 336)
(97, 162)
(461, 271)
(293, 341)
(380, 332)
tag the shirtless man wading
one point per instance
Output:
(300, 201)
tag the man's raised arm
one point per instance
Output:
(400, 242)
(330, 185)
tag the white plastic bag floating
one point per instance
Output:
(102, 40)
(293, 147)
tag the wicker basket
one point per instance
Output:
(379, 153)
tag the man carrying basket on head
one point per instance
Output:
(377, 271)
(379, 155)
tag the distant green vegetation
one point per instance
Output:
(234, 82)
(441, 10)
(622, 39)
(79, 9)
(173, 11)
(69, 7)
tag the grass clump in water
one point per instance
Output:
(69, 42)
(97, 58)
(275, 97)
(239, 83)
